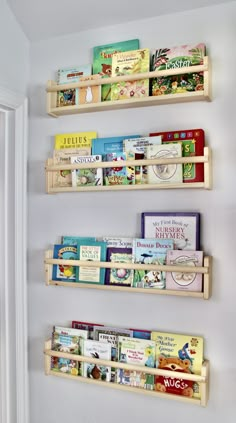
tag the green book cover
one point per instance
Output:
(91, 251)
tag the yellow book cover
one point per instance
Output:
(74, 140)
(178, 353)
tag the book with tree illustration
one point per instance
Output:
(64, 272)
(70, 97)
(89, 176)
(96, 349)
(62, 178)
(180, 280)
(121, 277)
(74, 140)
(164, 173)
(91, 251)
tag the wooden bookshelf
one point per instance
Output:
(202, 379)
(205, 270)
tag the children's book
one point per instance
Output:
(122, 277)
(118, 175)
(164, 173)
(73, 240)
(102, 61)
(74, 140)
(135, 149)
(62, 178)
(182, 227)
(108, 145)
(91, 251)
(70, 97)
(88, 95)
(86, 326)
(64, 272)
(150, 251)
(178, 353)
(96, 349)
(192, 141)
(178, 57)
(89, 176)
(118, 242)
(141, 333)
(130, 63)
(140, 352)
(180, 280)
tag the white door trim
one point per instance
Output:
(17, 104)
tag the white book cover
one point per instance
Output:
(164, 173)
(180, 280)
(88, 176)
(96, 349)
(118, 242)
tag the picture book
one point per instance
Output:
(178, 353)
(192, 141)
(177, 57)
(118, 175)
(164, 173)
(85, 326)
(182, 227)
(73, 240)
(96, 349)
(91, 251)
(67, 97)
(70, 97)
(118, 242)
(89, 176)
(74, 140)
(180, 280)
(135, 149)
(64, 272)
(102, 61)
(88, 95)
(129, 63)
(122, 277)
(140, 352)
(108, 145)
(62, 178)
(150, 251)
(141, 333)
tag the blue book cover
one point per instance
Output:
(91, 251)
(73, 240)
(108, 145)
(64, 272)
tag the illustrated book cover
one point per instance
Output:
(178, 57)
(108, 145)
(96, 349)
(121, 277)
(118, 242)
(180, 280)
(182, 227)
(178, 353)
(91, 251)
(192, 141)
(73, 240)
(70, 97)
(89, 176)
(64, 272)
(164, 173)
(74, 140)
(102, 61)
(85, 326)
(130, 63)
(90, 94)
(118, 175)
(62, 178)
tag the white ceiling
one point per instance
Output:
(43, 19)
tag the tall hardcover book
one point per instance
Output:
(88, 176)
(102, 61)
(180, 280)
(120, 277)
(164, 173)
(62, 178)
(74, 140)
(70, 97)
(64, 272)
(91, 251)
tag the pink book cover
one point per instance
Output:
(184, 281)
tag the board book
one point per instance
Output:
(100, 350)
(62, 178)
(88, 95)
(64, 272)
(120, 277)
(91, 251)
(74, 140)
(164, 173)
(180, 280)
(118, 175)
(89, 176)
(70, 97)
(108, 145)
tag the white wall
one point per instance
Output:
(118, 213)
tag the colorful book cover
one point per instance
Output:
(62, 178)
(85, 326)
(178, 353)
(108, 145)
(180, 280)
(141, 333)
(164, 173)
(73, 240)
(91, 251)
(118, 242)
(102, 61)
(135, 149)
(92, 94)
(150, 251)
(70, 97)
(140, 352)
(89, 176)
(100, 350)
(74, 140)
(122, 277)
(118, 175)
(182, 227)
(192, 141)
(130, 63)
(178, 57)
(64, 272)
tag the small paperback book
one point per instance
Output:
(64, 272)
(164, 173)
(85, 326)
(88, 176)
(178, 353)
(74, 140)
(90, 94)
(91, 251)
(70, 97)
(118, 242)
(62, 178)
(140, 352)
(96, 349)
(184, 281)
(122, 277)
(118, 175)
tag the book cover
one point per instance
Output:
(64, 272)
(62, 178)
(85, 326)
(67, 76)
(73, 240)
(150, 251)
(184, 281)
(192, 141)
(91, 251)
(182, 227)
(135, 149)
(141, 333)
(102, 61)
(86, 177)
(164, 173)
(118, 175)
(140, 352)
(88, 95)
(108, 145)
(177, 57)
(100, 350)
(121, 277)
(178, 353)
(74, 140)
(129, 63)
(118, 242)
